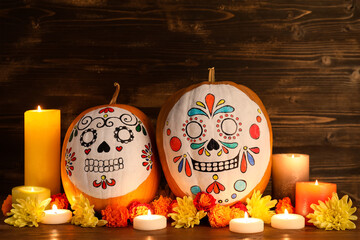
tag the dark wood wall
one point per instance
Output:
(302, 58)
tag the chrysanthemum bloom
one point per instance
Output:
(115, 215)
(137, 208)
(161, 205)
(283, 204)
(7, 205)
(84, 214)
(333, 214)
(204, 201)
(259, 207)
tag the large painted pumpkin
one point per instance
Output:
(108, 156)
(215, 137)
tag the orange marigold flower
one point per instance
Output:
(219, 216)
(115, 215)
(161, 205)
(283, 204)
(240, 206)
(237, 213)
(7, 205)
(60, 200)
(137, 208)
(204, 201)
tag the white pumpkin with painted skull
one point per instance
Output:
(215, 138)
(108, 156)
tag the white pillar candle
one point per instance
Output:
(149, 222)
(57, 216)
(287, 221)
(246, 225)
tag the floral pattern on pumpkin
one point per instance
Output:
(104, 182)
(216, 186)
(183, 164)
(148, 156)
(248, 157)
(69, 159)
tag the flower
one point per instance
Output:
(219, 216)
(283, 204)
(115, 215)
(137, 208)
(161, 205)
(240, 206)
(237, 213)
(259, 207)
(204, 201)
(60, 200)
(333, 214)
(173, 205)
(185, 214)
(27, 212)
(7, 205)
(84, 214)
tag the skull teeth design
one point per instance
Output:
(93, 165)
(216, 166)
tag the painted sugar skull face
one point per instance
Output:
(107, 146)
(218, 142)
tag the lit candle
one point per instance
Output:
(287, 169)
(57, 216)
(149, 222)
(311, 192)
(34, 193)
(42, 148)
(287, 221)
(246, 225)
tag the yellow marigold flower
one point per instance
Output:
(84, 214)
(259, 207)
(333, 214)
(27, 212)
(186, 214)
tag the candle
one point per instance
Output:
(287, 221)
(35, 193)
(57, 216)
(246, 225)
(287, 169)
(311, 192)
(42, 148)
(149, 222)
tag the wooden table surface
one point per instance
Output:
(203, 231)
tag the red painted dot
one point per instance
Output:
(229, 137)
(218, 121)
(231, 115)
(258, 119)
(199, 139)
(226, 115)
(196, 118)
(217, 125)
(188, 139)
(233, 137)
(224, 137)
(168, 132)
(254, 131)
(203, 135)
(186, 121)
(237, 118)
(183, 129)
(240, 123)
(220, 134)
(221, 116)
(184, 125)
(201, 121)
(205, 130)
(190, 119)
(184, 135)
(237, 134)
(218, 130)
(175, 144)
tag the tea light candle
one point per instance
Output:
(287, 169)
(287, 221)
(246, 225)
(35, 193)
(42, 148)
(149, 222)
(57, 216)
(311, 192)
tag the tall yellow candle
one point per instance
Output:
(42, 148)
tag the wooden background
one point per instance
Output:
(302, 58)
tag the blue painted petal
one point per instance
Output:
(196, 111)
(197, 145)
(224, 109)
(230, 145)
(181, 164)
(250, 159)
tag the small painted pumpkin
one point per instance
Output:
(215, 137)
(108, 156)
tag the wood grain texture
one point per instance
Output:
(302, 58)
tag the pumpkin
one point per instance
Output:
(215, 137)
(108, 155)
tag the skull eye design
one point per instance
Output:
(88, 137)
(123, 134)
(194, 130)
(229, 126)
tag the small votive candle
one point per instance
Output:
(246, 225)
(57, 216)
(287, 221)
(34, 193)
(149, 222)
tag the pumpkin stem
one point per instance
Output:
(211, 74)
(116, 93)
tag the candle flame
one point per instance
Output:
(54, 207)
(316, 182)
(39, 108)
(246, 216)
(293, 156)
(32, 189)
(286, 212)
(149, 212)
